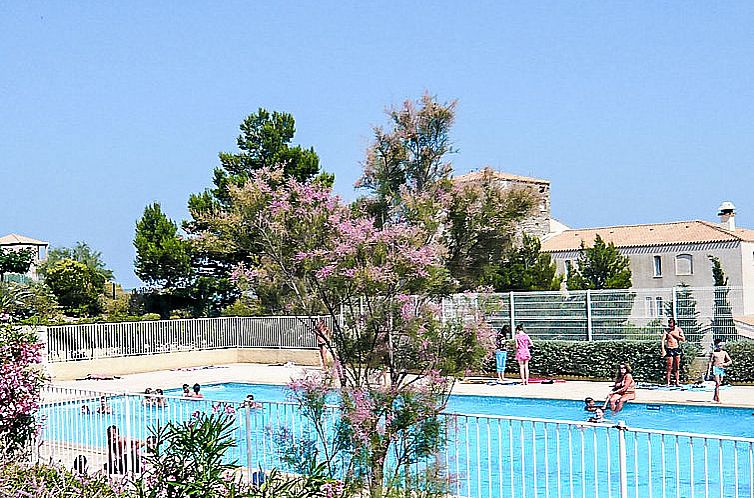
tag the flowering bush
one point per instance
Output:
(21, 380)
(395, 361)
(46, 481)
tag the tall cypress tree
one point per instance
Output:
(722, 315)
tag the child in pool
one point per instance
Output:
(599, 414)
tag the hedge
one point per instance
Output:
(598, 360)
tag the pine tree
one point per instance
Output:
(162, 257)
(601, 266)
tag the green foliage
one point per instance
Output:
(598, 359)
(162, 257)
(601, 266)
(409, 158)
(480, 227)
(24, 302)
(190, 460)
(264, 142)
(742, 366)
(13, 298)
(722, 314)
(15, 261)
(82, 253)
(718, 275)
(77, 287)
(525, 268)
(51, 481)
(243, 306)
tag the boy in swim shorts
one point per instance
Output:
(718, 360)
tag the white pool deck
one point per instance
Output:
(731, 396)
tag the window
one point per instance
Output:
(653, 306)
(658, 266)
(658, 306)
(684, 264)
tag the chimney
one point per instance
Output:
(727, 214)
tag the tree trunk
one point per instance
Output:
(377, 484)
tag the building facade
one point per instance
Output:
(667, 255)
(15, 242)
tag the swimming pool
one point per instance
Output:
(704, 419)
(508, 447)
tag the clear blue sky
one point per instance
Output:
(636, 112)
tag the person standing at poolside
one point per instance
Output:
(523, 353)
(671, 350)
(501, 355)
(718, 360)
(322, 335)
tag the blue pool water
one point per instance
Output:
(488, 457)
(703, 419)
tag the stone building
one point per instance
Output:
(539, 223)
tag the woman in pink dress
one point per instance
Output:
(523, 354)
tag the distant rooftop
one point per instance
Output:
(13, 239)
(478, 175)
(658, 234)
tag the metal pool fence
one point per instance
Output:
(485, 456)
(107, 340)
(702, 312)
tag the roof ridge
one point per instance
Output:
(635, 225)
(721, 229)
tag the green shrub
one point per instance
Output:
(150, 317)
(243, 306)
(598, 359)
(742, 355)
(189, 460)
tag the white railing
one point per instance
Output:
(485, 456)
(608, 314)
(107, 340)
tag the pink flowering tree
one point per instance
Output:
(21, 380)
(394, 359)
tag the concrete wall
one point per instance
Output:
(747, 274)
(167, 361)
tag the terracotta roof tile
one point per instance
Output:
(660, 234)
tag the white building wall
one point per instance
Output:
(747, 275)
(643, 264)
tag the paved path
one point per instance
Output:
(742, 396)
